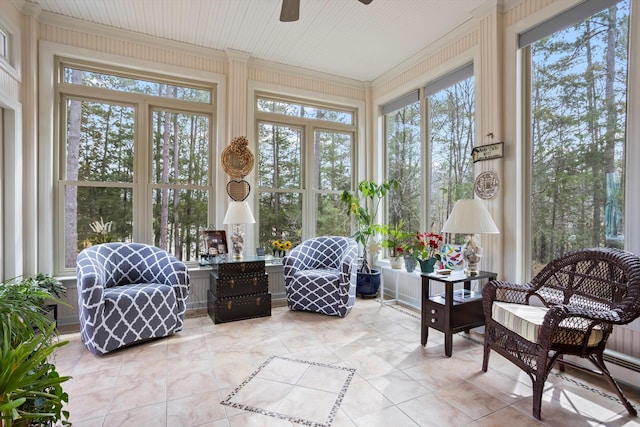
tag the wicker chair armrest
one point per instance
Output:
(558, 313)
(498, 290)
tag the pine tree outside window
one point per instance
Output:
(577, 118)
(305, 161)
(135, 155)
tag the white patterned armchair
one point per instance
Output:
(317, 275)
(129, 292)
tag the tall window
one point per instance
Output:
(404, 154)
(578, 122)
(136, 161)
(305, 161)
(4, 45)
(451, 110)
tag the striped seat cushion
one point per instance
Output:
(526, 321)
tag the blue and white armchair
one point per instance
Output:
(129, 292)
(317, 275)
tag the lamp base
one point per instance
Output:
(470, 272)
(237, 242)
(471, 253)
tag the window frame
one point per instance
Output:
(142, 186)
(435, 85)
(522, 40)
(308, 128)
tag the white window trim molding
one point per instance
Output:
(254, 87)
(48, 155)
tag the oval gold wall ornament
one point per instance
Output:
(237, 160)
(487, 185)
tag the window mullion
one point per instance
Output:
(142, 208)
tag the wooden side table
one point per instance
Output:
(446, 314)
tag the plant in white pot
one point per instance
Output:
(363, 206)
(394, 238)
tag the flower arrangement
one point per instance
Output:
(102, 231)
(425, 245)
(280, 247)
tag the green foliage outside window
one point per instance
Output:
(111, 175)
(578, 113)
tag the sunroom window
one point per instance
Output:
(578, 129)
(136, 162)
(305, 161)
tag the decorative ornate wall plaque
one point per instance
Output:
(487, 185)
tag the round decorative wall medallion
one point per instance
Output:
(487, 185)
(237, 159)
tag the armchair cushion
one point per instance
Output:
(526, 321)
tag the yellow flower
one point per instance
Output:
(287, 245)
(275, 243)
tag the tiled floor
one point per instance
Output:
(305, 369)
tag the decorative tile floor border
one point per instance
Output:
(332, 414)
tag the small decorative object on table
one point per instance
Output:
(214, 245)
(280, 247)
(427, 265)
(451, 256)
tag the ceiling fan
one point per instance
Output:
(291, 9)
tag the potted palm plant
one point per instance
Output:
(363, 206)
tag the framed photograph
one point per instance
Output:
(215, 242)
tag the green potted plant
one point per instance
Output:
(426, 248)
(30, 386)
(363, 206)
(394, 238)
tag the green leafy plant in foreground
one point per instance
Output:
(30, 386)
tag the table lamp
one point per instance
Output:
(238, 213)
(470, 216)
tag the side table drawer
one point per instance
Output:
(435, 316)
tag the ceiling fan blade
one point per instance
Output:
(365, 1)
(290, 10)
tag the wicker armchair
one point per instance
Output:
(569, 308)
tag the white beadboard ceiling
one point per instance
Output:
(339, 37)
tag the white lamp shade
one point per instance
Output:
(470, 216)
(239, 213)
